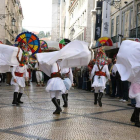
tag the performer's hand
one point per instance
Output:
(90, 79)
(26, 79)
(109, 80)
(72, 84)
(15, 80)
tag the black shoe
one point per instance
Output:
(58, 100)
(15, 99)
(67, 96)
(58, 108)
(99, 99)
(137, 122)
(95, 98)
(133, 105)
(65, 100)
(133, 116)
(19, 97)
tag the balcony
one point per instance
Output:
(115, 39)
(132, 33)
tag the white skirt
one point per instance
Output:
(56, 84)
(99, 82)
(20, 81)
(67, 83)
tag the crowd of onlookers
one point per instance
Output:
(114, 88)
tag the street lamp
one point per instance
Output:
(13, 21)
(99, 13)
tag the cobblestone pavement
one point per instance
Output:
(82, 120)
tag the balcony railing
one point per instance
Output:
(132, 33)
(115, 39)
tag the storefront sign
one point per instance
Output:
(98, 20)
(106, 19)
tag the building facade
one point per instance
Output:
(10, 9)
(55, 33)
(125, 22)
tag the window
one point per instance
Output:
(138, 15)
(117, 25)
(112, 27)
(138, 20)
(131, 19)
(126, 27)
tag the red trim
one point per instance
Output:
(18, 74)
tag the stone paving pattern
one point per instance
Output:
(82, 120)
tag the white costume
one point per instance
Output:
(39, 74)
(55, 85)
(68, 77)
(128, 65)
(17, 74)
(75, 53)
(100, 81)
(8, 57)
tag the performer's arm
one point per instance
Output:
(26, 73)
(71, 76)
(13, 73)
(93, 72)
(107, 72)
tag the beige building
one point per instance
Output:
(10, 10)
(55, 32)
(125, 22)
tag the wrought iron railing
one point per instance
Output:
(115, 39)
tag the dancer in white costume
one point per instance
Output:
(101, 72)
(19, 81)
(128, 65)
(56, 86)
(74, 54)
(67, 75)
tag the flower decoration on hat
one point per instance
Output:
(101, 58)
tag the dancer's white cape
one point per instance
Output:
(74, 54)
(128, 60)
(8, 57)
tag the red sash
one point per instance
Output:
(18, 74)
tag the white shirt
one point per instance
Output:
(105, 70)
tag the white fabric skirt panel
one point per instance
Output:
(20, 81)
(56, 84)
(99, 82)
(67, 83)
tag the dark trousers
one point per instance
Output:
(113, 80)
(119, 88)
(108, 89)
(125, 90)
(133, 101)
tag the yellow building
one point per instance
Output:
(10, 14)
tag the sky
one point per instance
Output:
(37, 15)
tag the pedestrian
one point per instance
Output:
(39, 76)
(109, 83)
(113, 78)
(100, 70)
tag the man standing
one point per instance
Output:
(109, 84)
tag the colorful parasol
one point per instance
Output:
(104, 41)
(63, 42)
(43, 45)
(28, 41)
